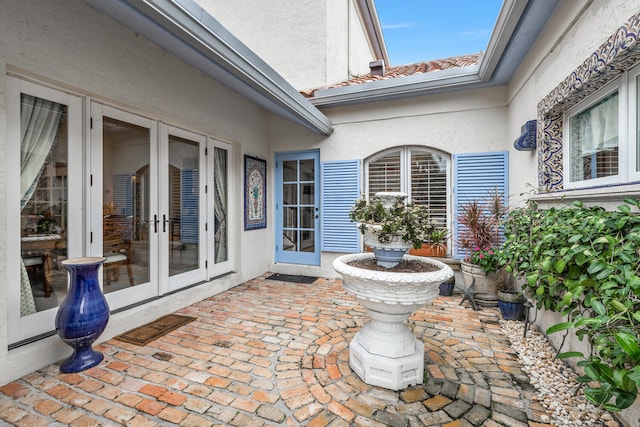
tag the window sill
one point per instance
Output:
(608, 197)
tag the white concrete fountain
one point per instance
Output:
(385, 352)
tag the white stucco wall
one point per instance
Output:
(72, 47)
(348, 50)
(311, 43)
(296, 44)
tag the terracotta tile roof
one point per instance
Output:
(406, 70)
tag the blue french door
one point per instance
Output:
(298, 208)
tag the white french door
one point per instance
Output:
(153, 216)
(124, 214)
(44, 195)
(87, 179)
(181, 231)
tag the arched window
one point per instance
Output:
(421, 172)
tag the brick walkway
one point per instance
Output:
(276, 353)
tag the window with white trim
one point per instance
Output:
(422, 173)
(601, 135)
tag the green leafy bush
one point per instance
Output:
(582, 262)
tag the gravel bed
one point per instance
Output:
(556, 383)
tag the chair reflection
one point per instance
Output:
(117, 247)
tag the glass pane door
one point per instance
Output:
(182, 197)
(126, 204)
(222, 218)
(125, 201)
(44, 171)
(297, 209)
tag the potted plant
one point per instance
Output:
(511, 304)
(391, 226)
(446, 287)
(480, 237)
(434, 246)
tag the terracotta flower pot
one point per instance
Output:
(429, 250)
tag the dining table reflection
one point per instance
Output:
(38, 252)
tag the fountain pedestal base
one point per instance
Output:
(391, 373)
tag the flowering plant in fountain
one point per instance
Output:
(393, 221)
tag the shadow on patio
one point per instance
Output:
(275, 353)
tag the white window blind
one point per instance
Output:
(420, 172)
(429, 184)
(385, 174)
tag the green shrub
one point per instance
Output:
(582, 262)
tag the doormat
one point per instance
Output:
(292, 278)
(153, 330)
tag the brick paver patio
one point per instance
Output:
(276, 353)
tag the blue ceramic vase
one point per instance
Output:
(83, 315)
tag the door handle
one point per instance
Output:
(165, 221)
(155, 223)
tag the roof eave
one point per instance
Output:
(191, 34)
(401, 87)
(510, 14)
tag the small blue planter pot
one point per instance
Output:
(511, 310)
(388, 258)
(446, 289)
(83, 315)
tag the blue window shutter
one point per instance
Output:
(475, 176)
(340, 189)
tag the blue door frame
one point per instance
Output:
(297, 208)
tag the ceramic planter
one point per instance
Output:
(429, 250)
(385, 352)
(83, 315)
(486, 285)
(511, 305)
(387, 254)
(446, 288)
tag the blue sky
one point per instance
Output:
(421, 30)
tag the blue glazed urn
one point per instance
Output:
(83, 315)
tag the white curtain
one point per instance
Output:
(39, 120)
(220, 204)
(593, 130)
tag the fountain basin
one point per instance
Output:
(385, 352)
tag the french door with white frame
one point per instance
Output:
(154, 184)
(44, 202)
(182, 228)
(155, 200)
(125, 205)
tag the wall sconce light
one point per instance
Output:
(527, 139)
